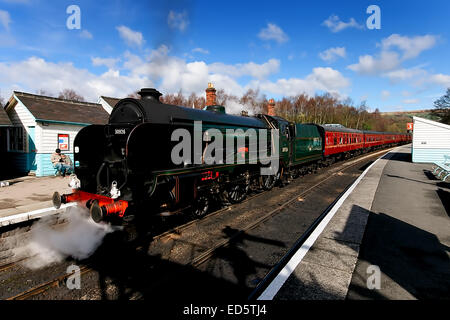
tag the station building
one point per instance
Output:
(39, 125)
(108, 103)
(431, 141)
(5, 124)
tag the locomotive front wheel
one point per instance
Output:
(237, 193)
(268, 181)
(200, 207)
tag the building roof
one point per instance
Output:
(61, 110)
(111, 101)
(431, 122)
(4, 119)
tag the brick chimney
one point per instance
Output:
(210, 95)
(271, 107)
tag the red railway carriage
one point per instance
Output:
(373, 138)
(339, 139)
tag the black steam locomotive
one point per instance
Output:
(126, 169)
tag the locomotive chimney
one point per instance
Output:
(210, 95)
(150, 94)
(271, 107)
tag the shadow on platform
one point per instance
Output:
(407, 256)
(445, 199)
(398, 156)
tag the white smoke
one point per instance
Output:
(78, 238)
(234, 107)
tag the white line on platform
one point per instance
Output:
(284, 274)
(31, 215)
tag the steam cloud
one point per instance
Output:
(78, 238)
(234, 107)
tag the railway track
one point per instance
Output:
(208, 253)
(47, 285)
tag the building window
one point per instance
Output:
(17, 139)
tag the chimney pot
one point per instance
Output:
(210, 95)
(271, 107)
(150, 94)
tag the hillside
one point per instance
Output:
(402, 115)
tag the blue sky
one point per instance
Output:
(282, 48)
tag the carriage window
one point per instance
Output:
(335, 140)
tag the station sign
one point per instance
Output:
(63, 142)
(409, 126)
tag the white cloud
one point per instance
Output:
(167, 73)
(370, 65)
(440, 79)
(178, 20)
(336, 25)
(35, 73)
(131, 37)
(252, 69)
(404, 74)
(395, 50)
(108, 62)
(5, 19)
(200, 50)
(410, 46)
(273, 32)
(86, 34)
(321, 79)
(333, 54)
(411, 101)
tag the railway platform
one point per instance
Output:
(386, 238)
(29, 197)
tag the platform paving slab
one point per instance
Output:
(27, 198)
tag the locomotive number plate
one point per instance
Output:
(119, 131)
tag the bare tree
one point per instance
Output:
(70, 94)
(442, 107)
